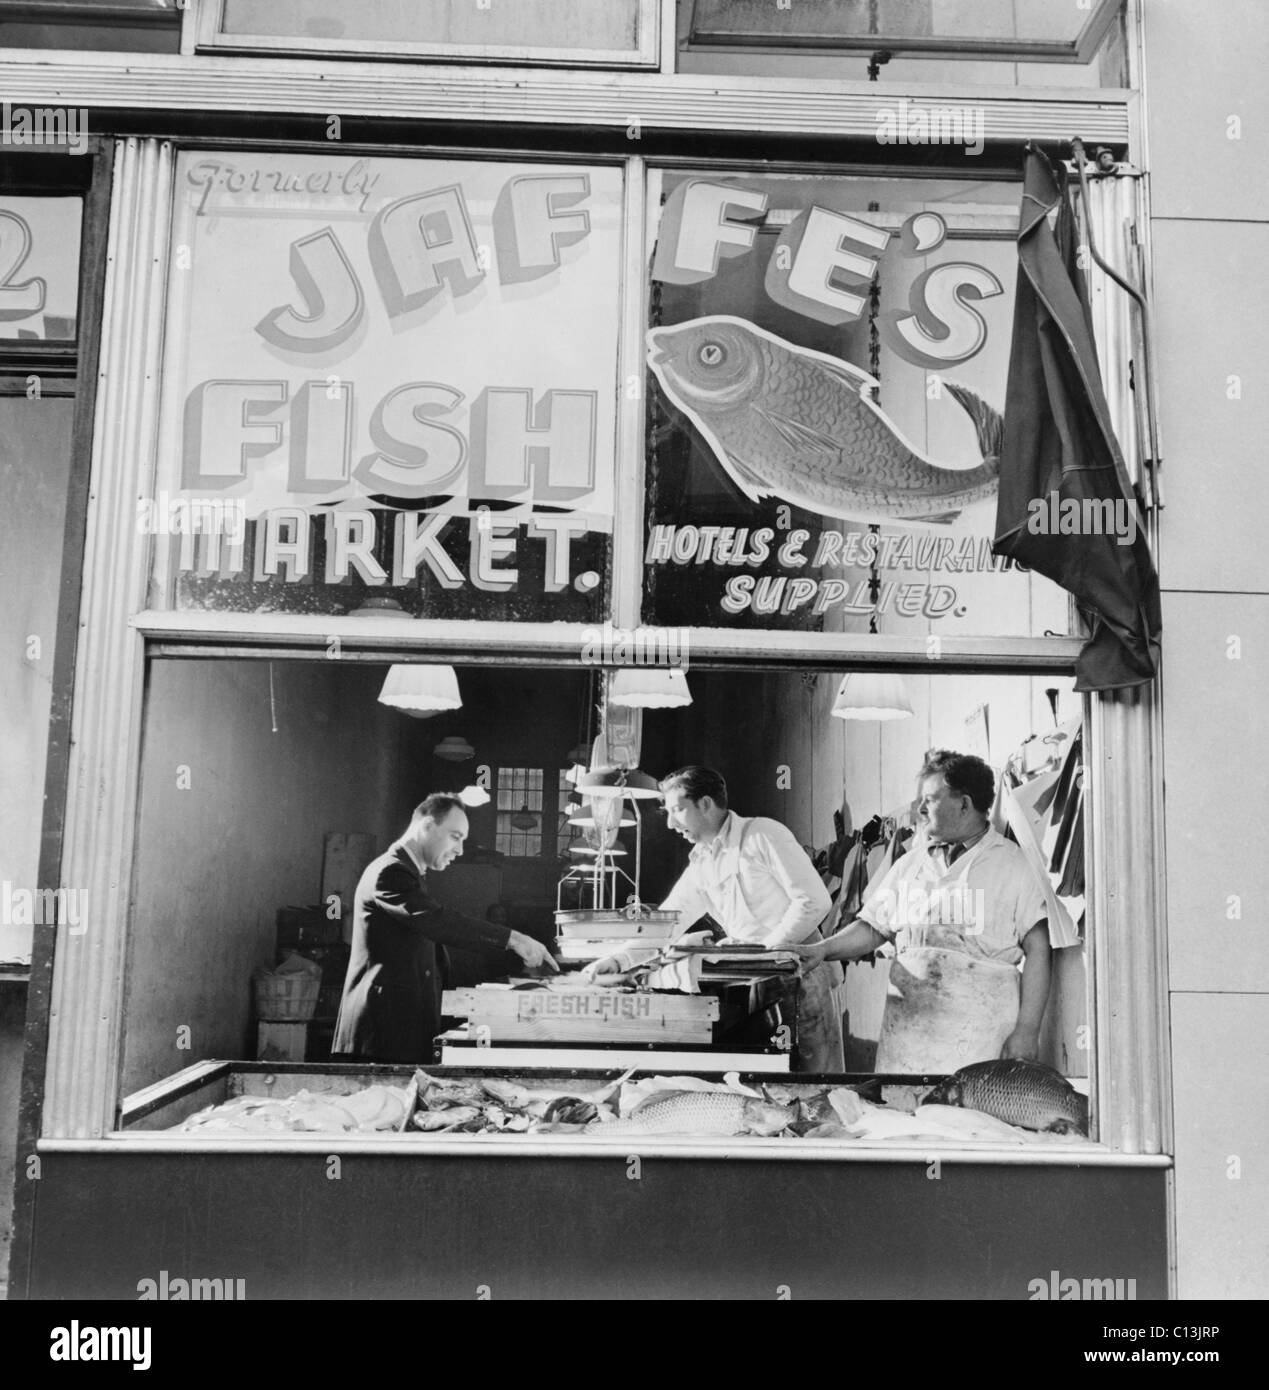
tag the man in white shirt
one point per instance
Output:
(964, 910)
(751, 875)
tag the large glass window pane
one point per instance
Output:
(537, 30)
(784, 490)
(1023, 42)
(39, 267)
(35, 458)
(389, 384)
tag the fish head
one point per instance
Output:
(1066, 1124)
(947, 1092)
(710, 366)
(765, 1117)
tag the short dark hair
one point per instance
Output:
(697, 782)
(436, 806)
(965, 775)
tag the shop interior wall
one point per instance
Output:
(512, 716)
(1210, 248)
(232, 822)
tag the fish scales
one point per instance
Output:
(701, 1112)
(787, 421)
(1021, 1093)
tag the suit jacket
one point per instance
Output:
(391, 1006)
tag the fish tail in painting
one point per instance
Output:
(988, 423)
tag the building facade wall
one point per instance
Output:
(1207, 112)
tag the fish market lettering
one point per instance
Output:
(285, 539)
(517, 448)
(419, 246)
(823, 265)
(740, 548)
(544, 1004)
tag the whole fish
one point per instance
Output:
(451, 1118)
(701, 1112)
(1020, 1093)
(517, 1097)
(803, 426)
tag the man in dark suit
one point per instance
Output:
(391, 1008)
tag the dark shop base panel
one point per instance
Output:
(405, 1226)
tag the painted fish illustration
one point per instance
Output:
(800, 425)
(1020, 1093)
(701, 1112)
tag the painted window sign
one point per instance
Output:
(39, 268)
(828, 359)
(393, 378)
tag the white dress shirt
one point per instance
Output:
(755, 880)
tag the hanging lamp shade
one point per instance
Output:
(524, 819)
(618, 781)
(865, 695)
(649, 688)
(454, 749)
(421, 690)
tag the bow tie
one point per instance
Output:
(951, 850)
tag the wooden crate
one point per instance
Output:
(580, 1013)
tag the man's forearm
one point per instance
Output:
(858, 939)
(1035, 984)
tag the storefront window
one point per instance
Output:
(608, 32)
(1023, 42)
(300, 756)
(520, 811)
(39, 268)
(39, 290)
(827, 361)
(391, 387)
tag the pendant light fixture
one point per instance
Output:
(421, 690)
(649, 687)
(865, 695)
(454, 749)
(524, 819)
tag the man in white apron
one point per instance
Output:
(751, 875)
(964, 910)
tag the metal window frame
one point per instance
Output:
(91, 176)
(203, 31)
(1078, 50)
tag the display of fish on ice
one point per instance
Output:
(788, 422)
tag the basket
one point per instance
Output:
(286, 997)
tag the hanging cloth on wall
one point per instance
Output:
(1062, 930)
(1060, 450)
